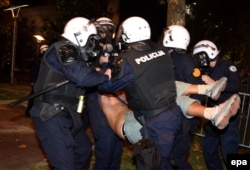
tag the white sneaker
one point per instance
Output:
(217, 88)
(225, 111)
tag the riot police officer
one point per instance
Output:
(56, 114)
(207, 54)
(149, 91)
(176, 40)
(108, 146)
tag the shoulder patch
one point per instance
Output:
(233, 68)
(68, 54)
(196, 72)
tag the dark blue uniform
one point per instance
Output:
(108, 146)
(152, 93)
(61, 130)
(185, 70)
(227, 138)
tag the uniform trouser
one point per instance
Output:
(64, 151)
(181, 148)
(227, 138)
(164, 129)
(108, 146)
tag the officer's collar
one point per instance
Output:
(140, 46)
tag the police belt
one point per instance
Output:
(55, 98)
(154, 112)
(49, 110)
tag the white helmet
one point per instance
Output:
(104, 20)
(207, 47)
(135, 29)
(105, 25)
(176, 36)
(78, 30)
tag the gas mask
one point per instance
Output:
(92, 50)
(203, 61)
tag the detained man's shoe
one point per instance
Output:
(225, 111)
(217, 88)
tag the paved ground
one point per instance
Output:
(19, 148)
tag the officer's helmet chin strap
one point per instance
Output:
(82, 49)
(83, 54)
(88, 52)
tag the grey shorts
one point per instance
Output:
(131, 128)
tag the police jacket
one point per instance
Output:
(225, 68)
(186, 70)
(62, 61)
(147, 77)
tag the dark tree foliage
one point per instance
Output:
(26, 46)
(30, 2)
(221, 22)
(152, 10)
(65, 10)
(6, 26)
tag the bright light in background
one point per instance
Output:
(39, 38)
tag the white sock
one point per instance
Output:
(209, 112)
(203, 88)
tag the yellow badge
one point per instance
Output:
(196, 72)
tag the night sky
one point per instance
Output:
(29, 2)
(155, 14)
(151, 10)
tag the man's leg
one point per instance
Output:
(116, 111)
(219, 115)
(213, 90)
